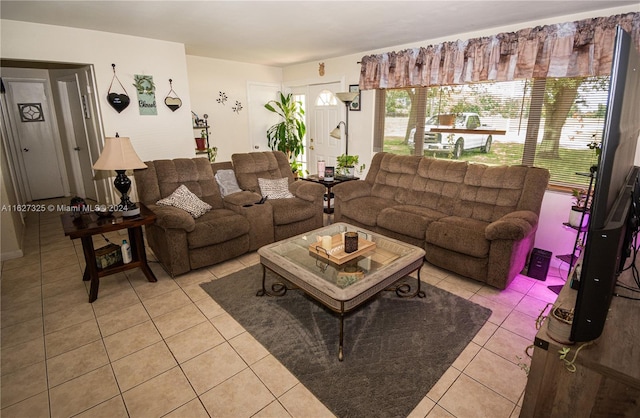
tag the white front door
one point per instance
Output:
(36, 137)
(323, 115)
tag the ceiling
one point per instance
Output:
(281, 33)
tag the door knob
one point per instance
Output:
(311, 140)
(77, 148)
(311, 148)
(25, 149)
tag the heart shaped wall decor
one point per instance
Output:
(173, 103)
(118, 101)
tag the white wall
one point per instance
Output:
(207, 78)
(166, 135)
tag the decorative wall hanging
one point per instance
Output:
(238, 107)
(117, 101)
(355, 104)
(146, 94)
(31, 112)
(172, 102)
(222, 99)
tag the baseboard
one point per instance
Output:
(11, 255)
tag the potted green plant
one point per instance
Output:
(347, 165)
(296, 168)
(595, 145)
(288, 134)
(212, 153)
(201, 142)
(580, 207)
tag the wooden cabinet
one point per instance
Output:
(606, 381)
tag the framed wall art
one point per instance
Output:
(146, 94)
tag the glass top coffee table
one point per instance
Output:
(337, 280)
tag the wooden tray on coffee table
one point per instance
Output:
(337, 254)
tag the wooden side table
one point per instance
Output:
(90, 224)
(328, 185)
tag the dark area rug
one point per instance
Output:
(395, 349)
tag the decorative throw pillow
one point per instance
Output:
(227, 182)
(184, 199)
(275, 189)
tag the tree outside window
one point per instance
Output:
(547, 123)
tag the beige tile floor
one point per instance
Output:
(167, 349)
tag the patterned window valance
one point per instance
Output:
(577, 49)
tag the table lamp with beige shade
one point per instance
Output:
(118, 155)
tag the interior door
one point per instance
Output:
(33, 122)
(76, 138)
(323, 115)
(260, 119)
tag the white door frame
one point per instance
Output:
(95, 135)
(259, 118)
(8, 142)
(303, 85)
(94, 128)
(78, 177)
(15, 146)
(12, 147)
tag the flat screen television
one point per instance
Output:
(613, 215)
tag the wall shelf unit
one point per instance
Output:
(581, 231)
(202, 127)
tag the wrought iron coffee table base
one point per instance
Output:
(403, 290)
(277, 289)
